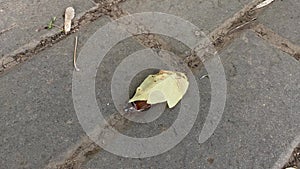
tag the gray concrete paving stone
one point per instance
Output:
(29, 16)
(259, 123)
(38, 122)
(205, 14)
(283, 17)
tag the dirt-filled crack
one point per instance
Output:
(294, 161)
(231, 28)
(105, 7)
(277, 41)
(86, 148)
(221, 37)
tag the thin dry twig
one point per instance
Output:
(58, 27)
(264, 3)
(242, 25)
(204, 76)
(75, 53)
(8, 29)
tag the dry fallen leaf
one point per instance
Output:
(69, 15)
(166, 86)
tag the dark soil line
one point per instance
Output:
(108, 8)
(77, 156)
(231, 28)
(86, 148)
(220, 37)
(294, 160)
(277, 41)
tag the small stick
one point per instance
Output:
(8, 29)
(204, 76)
(75, 53)
(58, 27)
(264, 3)
(240, 26)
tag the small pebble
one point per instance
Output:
(197, 33)
(69, 122)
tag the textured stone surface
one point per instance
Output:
(29, 16)
(259, 123)
(38, 121)
(205, 14)
(284, 18)
(261, 118)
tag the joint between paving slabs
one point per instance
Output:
(221, 37)
(277, 41)
(86, 148)
(104, 8)
(294, 160)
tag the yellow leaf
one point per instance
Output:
(165, 86)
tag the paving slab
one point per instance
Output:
(260, 121)
(28, 16)
(38, 122)
(283, 18)
(205, 14)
